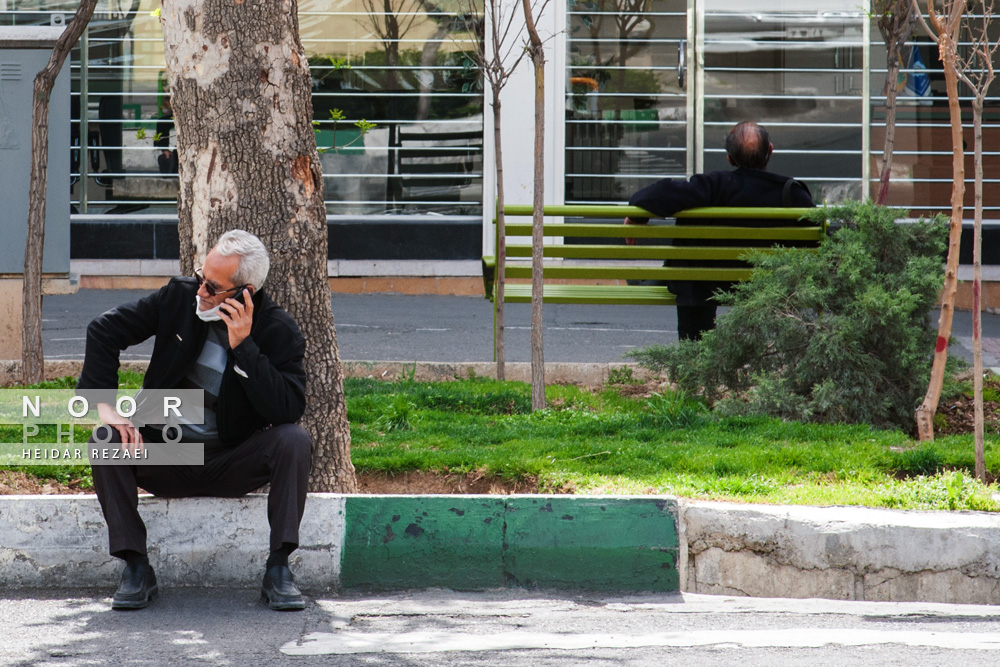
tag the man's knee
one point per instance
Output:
(293, 440)
(105, 435)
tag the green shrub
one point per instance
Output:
(840, 334)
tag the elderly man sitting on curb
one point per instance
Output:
(217, 332)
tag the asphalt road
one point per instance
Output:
(509, 628)
(394, 327)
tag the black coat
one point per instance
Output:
(264, 380)
(740, 187)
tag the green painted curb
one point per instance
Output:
(396, 542)
(479, 542)
(593, 543)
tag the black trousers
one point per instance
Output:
(279, 456)
(693, 321)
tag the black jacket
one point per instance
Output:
(263, 383)
(740, 187)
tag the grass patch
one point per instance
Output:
(605, 442)
(79, 475)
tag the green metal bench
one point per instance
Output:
(597, 251)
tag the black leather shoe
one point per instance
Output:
(138, 587)
(279, 590)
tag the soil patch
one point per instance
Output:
(959, 416)
(420, 482)
(13, 482)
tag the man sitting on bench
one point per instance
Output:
(748, 148)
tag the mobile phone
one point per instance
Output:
(239, 295)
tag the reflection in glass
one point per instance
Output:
(407, 67)
(403, 65)
(626, 109)
(795, 68)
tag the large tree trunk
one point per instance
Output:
(32, 353)
(537, 240)
(927, 409)
(241, 94)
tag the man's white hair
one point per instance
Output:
(254, 260)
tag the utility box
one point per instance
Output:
(24, 52)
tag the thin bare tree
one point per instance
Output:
(977, 73)
(945, 26)
(896, 20)
(497, 58)
(536, 51)
(32, 354)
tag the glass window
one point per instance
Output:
(921, 174)
(397, 98)
(795, 68)
(626, 105)
(407, 67)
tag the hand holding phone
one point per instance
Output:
(237, 313)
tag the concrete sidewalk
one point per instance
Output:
(503, 628)
(602, 543)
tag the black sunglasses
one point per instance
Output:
(210, 287)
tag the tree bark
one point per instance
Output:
(977, 306)
(890, 132)
(537, 54)
(496, 69)
(501, 266)
(895, 22)
(241, 95)
(32, 352)
(925, 413)
(977, 72)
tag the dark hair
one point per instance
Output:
(749, 145)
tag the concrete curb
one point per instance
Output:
(379, 542)
(609, 543)
(477, 542)
(842, 553)
(60, 541)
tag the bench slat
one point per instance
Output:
(630, 272)
(671, 232)
(600, 294)
(615, 211)
(633, 252)
(721, 225)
